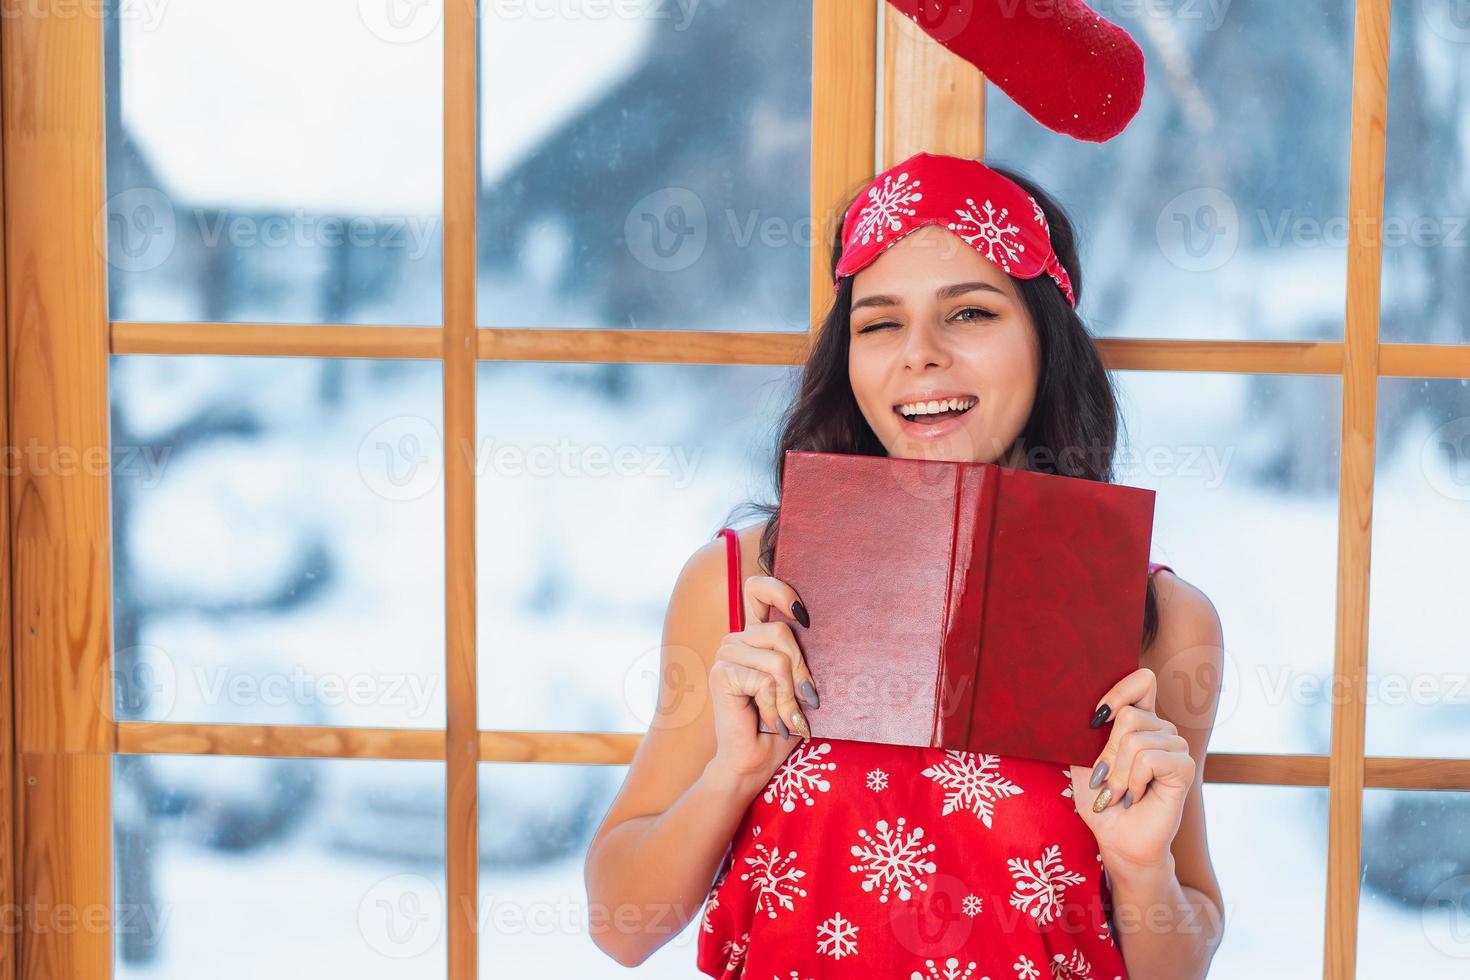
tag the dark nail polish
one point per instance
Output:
(1127, 798)
(799, 611)
(1101, 715)
(809, 694)
(785, 732)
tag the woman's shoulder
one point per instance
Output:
(701, 591)
(710, 557)
(1186, 599)
(713, 552)
(1187, 617)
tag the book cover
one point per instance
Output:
(962, 605)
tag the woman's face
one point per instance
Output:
(932, 319)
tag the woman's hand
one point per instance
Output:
(1133, 796)
(758, 675)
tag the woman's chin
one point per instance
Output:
(954, 446)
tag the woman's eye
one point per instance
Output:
(979, 314)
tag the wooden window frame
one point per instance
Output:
(57, 744)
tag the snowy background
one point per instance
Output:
(279, 521)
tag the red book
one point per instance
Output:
(962, 605)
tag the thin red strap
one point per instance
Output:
(1154, 566)
(732, 566)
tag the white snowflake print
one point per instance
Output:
(895, 860)
(973, 781)
(1040, 214)
(795, 975)
(774, 879)
(800, 775)
(1039, 884)
(837, 937)
(1025, 969)
(971, 905)
(877, 780)
(706, 924)
(1075, 968)
(887, 207)
(1067, 786)
(735, 951)
(992, 229)
(950, 971)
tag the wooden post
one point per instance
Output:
(56, 344)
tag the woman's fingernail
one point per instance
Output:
(1099, 773)
(809, 694)
(799, 611)
(1101, 715)
(1127, 798)
(780, 724)
(1103, 799)
(799, 723)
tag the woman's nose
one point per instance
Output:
(924, 345)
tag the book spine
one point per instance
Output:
(943, 725)
(955, 692)
(982, 540)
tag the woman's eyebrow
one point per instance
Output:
(960, 288)
(945, 292)
(879, 300)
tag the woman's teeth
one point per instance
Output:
(932, 411)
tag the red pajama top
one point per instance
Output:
(863, 859)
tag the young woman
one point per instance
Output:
(954, 336)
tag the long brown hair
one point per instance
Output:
(1075, 404)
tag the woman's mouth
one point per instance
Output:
(934, 417)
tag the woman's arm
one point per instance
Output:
(652, 861)
(1170, 917)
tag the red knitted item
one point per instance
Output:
(1073, 71)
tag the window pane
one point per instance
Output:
(274, 161)
(1268, 845)
(534, 915)
(1246, 509)
(597, 482)
(660, 175)
(1419, 678)
(1219, 212)
(1414, 907)
(278, 531)
(241, 868)
(1426, 233)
